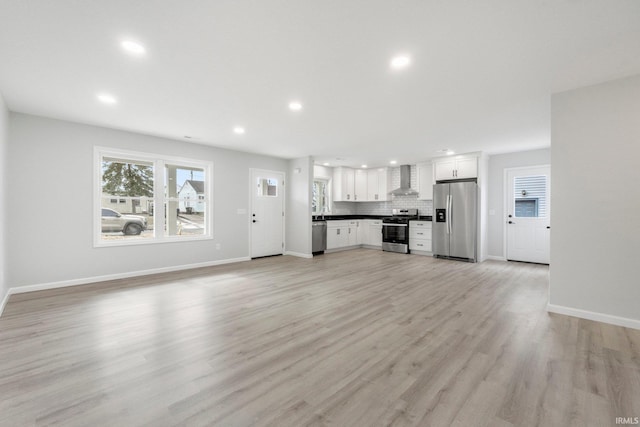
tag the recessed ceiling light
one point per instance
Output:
(400, 61)
(295, 106)
(393, 162)
(239, 130)
(325, 164)
(105, 98)
(133, 47)
(447, 151)
(364, 166)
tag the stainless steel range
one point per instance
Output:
(395, 230)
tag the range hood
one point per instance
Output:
(405, 183)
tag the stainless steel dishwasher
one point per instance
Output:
(319, 237)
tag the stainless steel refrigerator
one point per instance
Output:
(455, 221)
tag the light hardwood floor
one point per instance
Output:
(357, 338)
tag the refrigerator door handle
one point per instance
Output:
(450, 204)
(448, 218)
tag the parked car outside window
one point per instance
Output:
(130, 225)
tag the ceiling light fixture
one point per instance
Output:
(295, 106)
(133, 47)
(238, 130)
(105, 98)
(393, 162)
(364, 166)
(450, 152)
(325, 164)
(401, 61)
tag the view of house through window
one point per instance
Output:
(185, 201)
(530, 196)
(130, 194)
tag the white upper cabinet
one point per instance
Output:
(467, 167)
(456, 168)
(360, 194)
(360, 185)
(343, 184)
(425, 180)
(377, 185)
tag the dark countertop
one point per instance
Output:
(348, 217)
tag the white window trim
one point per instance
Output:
(159, 161)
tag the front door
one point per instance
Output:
(267, 213)
(528, 214)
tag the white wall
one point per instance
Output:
(497, 164)
(52, 160)
(298, 224)
(595, 193)
(4, 135)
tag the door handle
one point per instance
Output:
(548, 227)
(511, 222)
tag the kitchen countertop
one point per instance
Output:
(348, 217)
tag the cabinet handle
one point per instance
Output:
(348, 196)
(376, 197)
(420, 233)
(419, 244)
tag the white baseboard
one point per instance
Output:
(5, 299)
(298, 254)
(104, 278)
(591, 315)
(496, 258)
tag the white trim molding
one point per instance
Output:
(298, 254)
(591, 315)
(107, 277)
(5, 300)
(496, 258)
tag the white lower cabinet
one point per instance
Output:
(337, 234)
(347, 233)
(353, 233)
(374, 232)
(420, 236)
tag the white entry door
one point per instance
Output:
(267, 213)
(528, 214)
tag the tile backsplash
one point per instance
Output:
(425, 207)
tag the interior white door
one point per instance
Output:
(267, 213)
(528, 214)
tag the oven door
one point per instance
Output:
(395, 233)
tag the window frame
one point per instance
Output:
(159, 162)
(329, 201)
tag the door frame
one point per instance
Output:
(505, 200)
(284, 207)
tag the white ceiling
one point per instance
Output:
(481, 76)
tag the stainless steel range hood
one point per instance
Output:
(405, 183)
